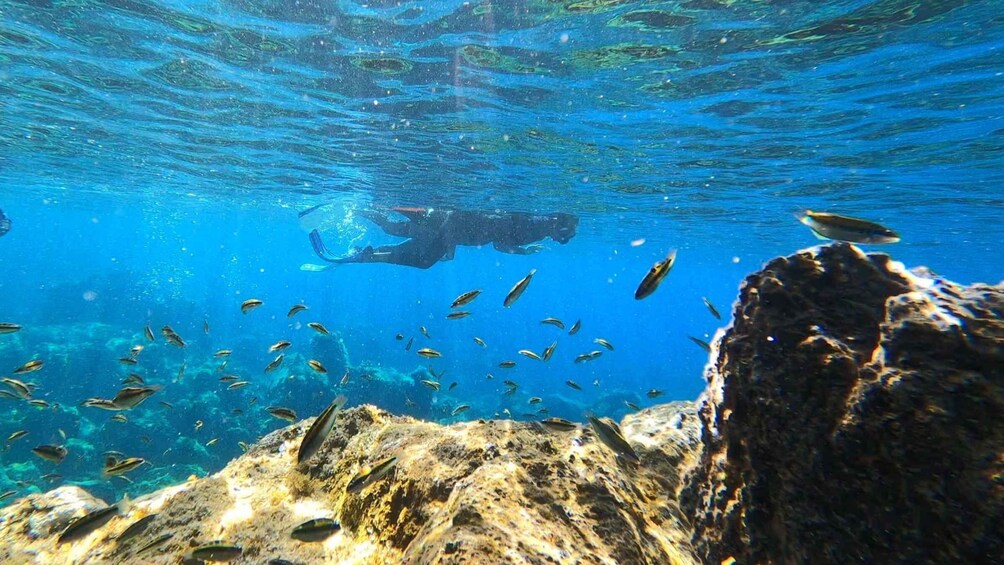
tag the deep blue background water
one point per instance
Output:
(154, 157)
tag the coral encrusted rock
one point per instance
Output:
(854, 414)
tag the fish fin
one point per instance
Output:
(125, 504)
(803, 216)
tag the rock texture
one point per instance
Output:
(473, 492)
(853, 415)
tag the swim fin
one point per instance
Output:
(319, 249)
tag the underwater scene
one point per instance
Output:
(220, 219)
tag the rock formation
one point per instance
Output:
(472, 492)
(853, 415)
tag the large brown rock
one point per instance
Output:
(474, 492)
(853, 415)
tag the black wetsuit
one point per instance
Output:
(4, 224)
(434, 234)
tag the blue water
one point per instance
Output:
(154, 157)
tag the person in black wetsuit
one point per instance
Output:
(4, 224)
(434, 234)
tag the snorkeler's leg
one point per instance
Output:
(397, 229)
(421, 254)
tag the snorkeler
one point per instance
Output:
(434, 234)
(4, 224)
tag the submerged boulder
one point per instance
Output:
(471, 492)
(853, 414)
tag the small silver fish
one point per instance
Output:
(700, 343)
(465, 298)
(529, 354)
(610, 435)
(282, 413)
(554, 322)
(549, 351)
(369, 475)
(518, 289)
(318, 431)
(604, 343)
(846, 228)
(559, 424)
(655, 276)
(275, 363)
(318, 529)
(217, 551)
(83, 526)
(135, 529)
(250, 304)
(711, 308)
(159, 540)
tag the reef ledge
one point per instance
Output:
(493, 491)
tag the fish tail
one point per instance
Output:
(802, 215)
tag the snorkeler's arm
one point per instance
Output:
(517, 249)
(312, 268)
(397, 229)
